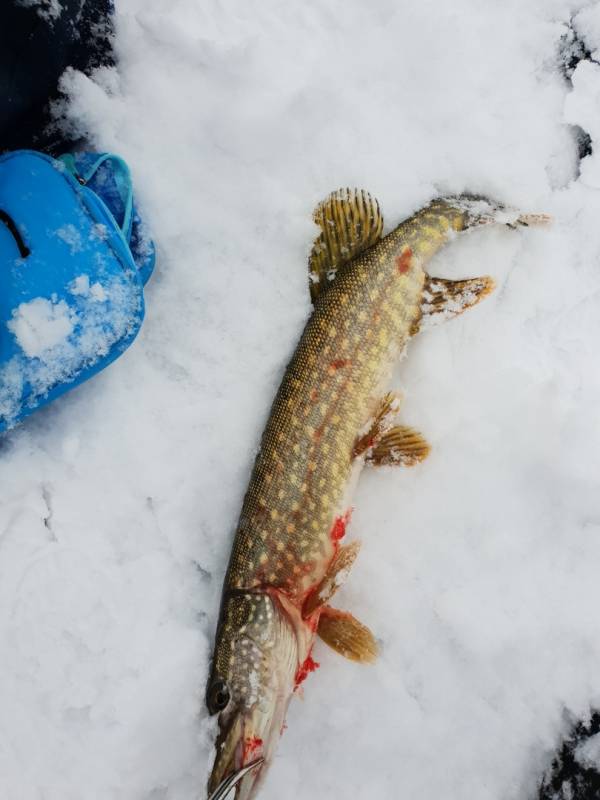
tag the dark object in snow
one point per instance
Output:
(73, 261)
(38, 41)
(571, 50)
(575, 772)
(584, 142)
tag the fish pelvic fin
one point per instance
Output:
(399, 446)
(347, 636)
(386, 444)
(350, 221)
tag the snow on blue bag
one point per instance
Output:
(73, 262)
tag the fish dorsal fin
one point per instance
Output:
(350, 222)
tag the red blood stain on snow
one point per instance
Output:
(338, 529)
(304, 670)
(403, 261)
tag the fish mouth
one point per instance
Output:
(225, 787)
(246, 738)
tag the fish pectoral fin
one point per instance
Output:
(381, 422)
(444, 299)
(351, 222)
(399, 446)
(347, 636)
(334, 578)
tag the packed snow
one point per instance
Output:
(41, 324)
(588, 753)
(479, 571)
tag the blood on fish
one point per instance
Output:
(304, 670)
(338, 529)
(251, 746)
(340, 362)
(403, 260)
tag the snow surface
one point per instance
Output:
(588, 753)
(479, 570)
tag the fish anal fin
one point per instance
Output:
(399, 446)
(347, 636)
(444, 299)
(334, 578)
(350, 222)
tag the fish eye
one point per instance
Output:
(217, 697)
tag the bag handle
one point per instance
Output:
(124, 182)
(24, 251)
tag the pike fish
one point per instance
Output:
(332, 415)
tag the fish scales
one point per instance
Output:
(360, 325)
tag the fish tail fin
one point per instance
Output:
(478, 210)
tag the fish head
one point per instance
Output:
(252, 680)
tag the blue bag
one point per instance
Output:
(73, 262)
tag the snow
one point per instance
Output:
(588, 753)
(40, 325)
(479, 568)
(71, 236)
